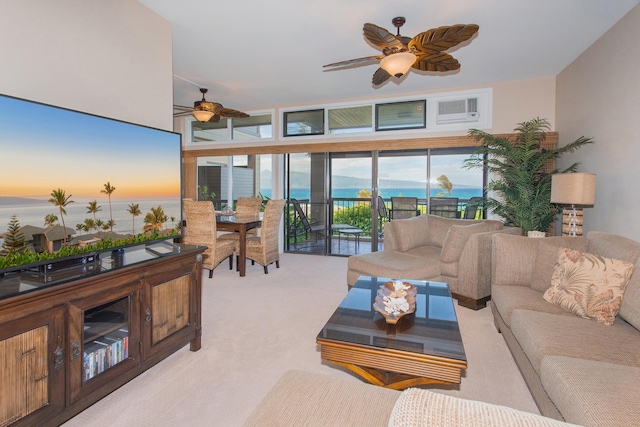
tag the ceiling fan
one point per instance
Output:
(205, 111)
(425, 52)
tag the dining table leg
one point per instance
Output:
(242, 256)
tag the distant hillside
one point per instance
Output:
(301, 180)
(21, 201)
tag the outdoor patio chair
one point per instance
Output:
(446, 207)
(200, 229)
(301, 225)
(472, 207)
(404, 207)
(383, 215)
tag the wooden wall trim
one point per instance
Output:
(322, 147)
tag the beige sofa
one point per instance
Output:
(577, 369)
(308, 399)
(429, 247)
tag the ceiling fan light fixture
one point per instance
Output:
(397, 64)
(202, 115)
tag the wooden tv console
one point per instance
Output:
(70, 337)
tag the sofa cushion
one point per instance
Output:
(630, 307)
(416, 407)
(592, 393)
(427, 252)
(547, 256)
(512, 259)
(457, 237)
(506, 299)
(588, 285)
(411, 233)
(622, 248)
(545, 334)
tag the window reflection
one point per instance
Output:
(440, 309)
(358, 299)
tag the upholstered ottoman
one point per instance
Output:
(392, 264)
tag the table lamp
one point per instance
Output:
(575, 190)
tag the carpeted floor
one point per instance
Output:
(258, 326)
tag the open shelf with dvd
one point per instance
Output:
(105, 341)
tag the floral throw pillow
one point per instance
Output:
(588, 285)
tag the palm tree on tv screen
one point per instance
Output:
(134, 210)
(50, 220)
(61, 200)
(94, 208)
(108, 189)
(154, 220)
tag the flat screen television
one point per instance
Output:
(101, 166)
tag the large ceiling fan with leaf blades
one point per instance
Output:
(424, 52)
(205, 111)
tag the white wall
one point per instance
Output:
(598, 96)
(111, 58)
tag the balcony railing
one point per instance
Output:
(342, 213)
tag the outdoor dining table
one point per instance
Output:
(239, 224)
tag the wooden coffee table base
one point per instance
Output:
(394, 369)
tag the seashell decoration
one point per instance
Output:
(394, 300)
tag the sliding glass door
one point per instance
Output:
(345, 198)
(350, 204)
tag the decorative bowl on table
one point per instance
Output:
(395, 300)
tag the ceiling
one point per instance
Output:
(256, 54)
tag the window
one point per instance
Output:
(350, 120)
(401, 115)
(208, 131)
(298, 123)
(254, 127)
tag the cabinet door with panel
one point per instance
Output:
(171, 309)
(32, 371)
(104, 337)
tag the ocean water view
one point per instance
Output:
(35, 212)
(421, 193)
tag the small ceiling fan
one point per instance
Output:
(425, 52)
(205, 111)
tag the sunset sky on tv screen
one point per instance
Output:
(44, 148)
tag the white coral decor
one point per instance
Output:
(398, 285)
(396, 302)
(395, 305)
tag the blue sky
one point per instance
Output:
(44, 148)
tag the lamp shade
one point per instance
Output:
(202, 115)
(573, 188)
(398, 64)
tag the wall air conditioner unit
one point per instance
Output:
(458, 111)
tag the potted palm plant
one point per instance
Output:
(520, 178)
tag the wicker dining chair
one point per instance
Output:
(245, 206)
(200, 229)
(264, 249)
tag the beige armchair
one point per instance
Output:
(200, 229)
(430, 247)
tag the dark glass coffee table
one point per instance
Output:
(424, 347)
